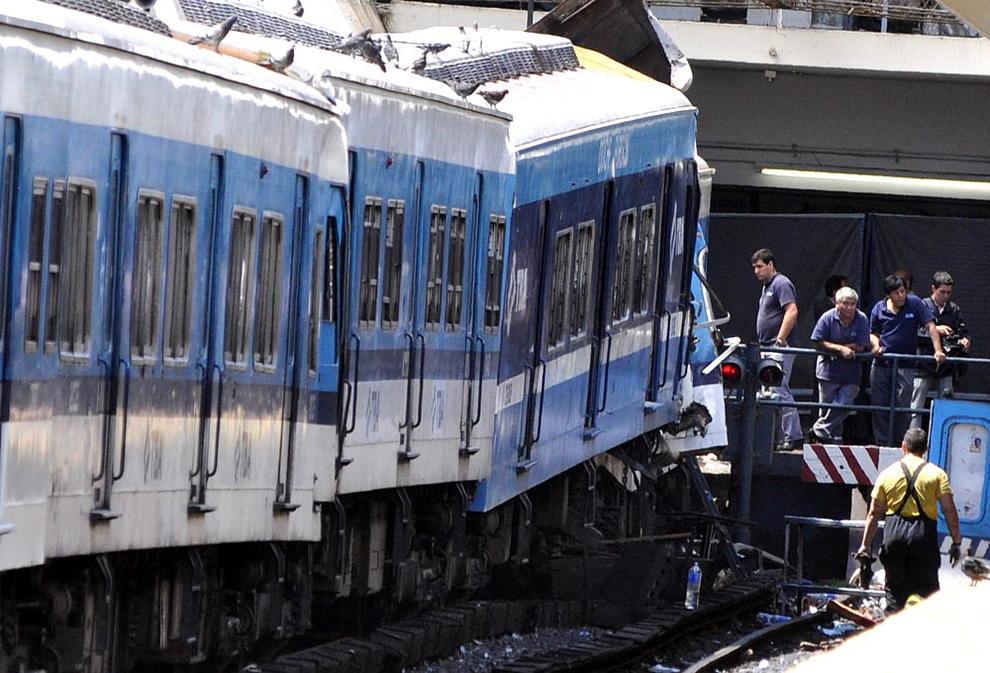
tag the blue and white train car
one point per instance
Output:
(164, 227)
(597, 315)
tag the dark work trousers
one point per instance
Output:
(910, 558)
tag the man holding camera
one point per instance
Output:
(949, 323)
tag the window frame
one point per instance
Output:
(314, 310)
(393, 250)
(494, 271)
(625, 250)
(581, 283)
(146, 354)
(168, 323)
(268, 293)
(558, 308)
(246, 285)
(434, 286)
(370, 283)
(36, 274)
(456, 269)
(83, 312)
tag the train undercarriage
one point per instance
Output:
(383, 556)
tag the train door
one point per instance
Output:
(7, 202)
(294, 377)
(473, 340)
(660, 375)
(114, 357)
(682, 269)
(535, 369)
(414, 359)
(210, 362)
(601, 337)
(324, 339)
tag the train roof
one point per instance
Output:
(568, 91)
(111, 25)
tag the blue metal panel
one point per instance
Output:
(959, 437)
(596, 156)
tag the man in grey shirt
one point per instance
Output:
(775, 320)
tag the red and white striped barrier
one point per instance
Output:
(844, 464)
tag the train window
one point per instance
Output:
(392, 290)
(558, 289)
(496, 264)
(316, 278)
(267, 314)
(36, 249)
(644, 259)
(583, 256)
(455, 268)
(369, 261)
(329, 312)
(54, 265)
(235, 335)
(74, 321)
(146, 277)
(624, 256)
(967, 468)
(179, 280)
(434, 270)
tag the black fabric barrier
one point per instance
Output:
(808, 249)
(925, 245)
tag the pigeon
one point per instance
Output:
(298, 10)
(493, 98)
(419, 65)
(463, 89)
(279, 64)
(324, 84)
(372, 53)
(389, 51)
(434, 47)
(975, 569)
(216, 34)
(354, 42)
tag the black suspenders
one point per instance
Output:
(911, 492)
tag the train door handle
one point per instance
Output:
(411, 354)
(204, 382)
(666, 341)
(526, 425)
(608, 367)
(221, 374)
(543, 392)
(422, 364)
(123, 425)
(353, 388)
(106, 382)
(481, 380)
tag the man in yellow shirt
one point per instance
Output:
(909, 493)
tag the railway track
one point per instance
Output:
(438, 634)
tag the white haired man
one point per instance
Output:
(843, 331)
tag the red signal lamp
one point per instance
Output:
(732, 371)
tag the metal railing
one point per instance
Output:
(897, 362)
(915, 11)
(747, 395)
(798, 585)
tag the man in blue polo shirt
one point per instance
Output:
(894, 325)
(775, 320)
(843, 331)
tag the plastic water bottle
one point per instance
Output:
(693, 587)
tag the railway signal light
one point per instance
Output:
(732, 371)
(770, 372)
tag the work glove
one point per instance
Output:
(954, 554)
